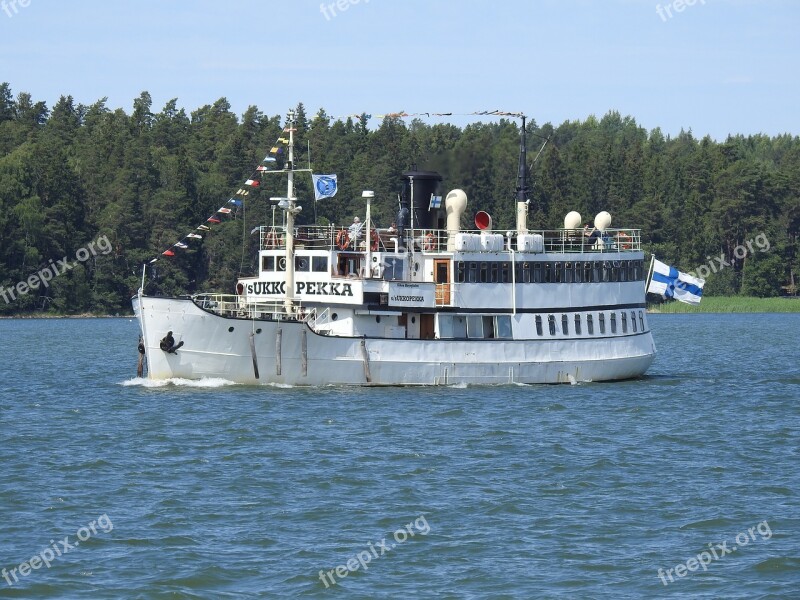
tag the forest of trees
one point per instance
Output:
(72, 174)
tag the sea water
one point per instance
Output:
(114, 487)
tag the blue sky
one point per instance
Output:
(715, 66)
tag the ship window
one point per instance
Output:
(613, 322)
(551, 320)
(565, 324)
(623, 270)
(638, 270)
(301, 263)
(539, 325)
(577, 324)
(474, 326)
(505, 272)
(526, 272)
(589, 325)
(393, 268)
(349, 265)
(488, 327)
(484, 273)
(267, 263)
(537, 272)
(459, 327)
(602, 320)
(597, 271)
(632, 274)
(568, 278)
(641, 320)
(633, 321)
(319, 264)
(558, 272)
(587, 272)
(461, 272)
(473, 272)
(445, 326)
(494, 272)
(624, 322)
(503, 327)
(578, 277)
(548, 272)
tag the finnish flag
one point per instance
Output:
(670, 283)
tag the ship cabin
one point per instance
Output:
(427, 278)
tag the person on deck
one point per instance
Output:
(592, 235)
(354, 231)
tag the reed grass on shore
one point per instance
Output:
(729, 304)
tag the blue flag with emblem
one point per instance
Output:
(325, 186)
(670, 283)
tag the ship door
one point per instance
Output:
(441, 275)
(426, 327)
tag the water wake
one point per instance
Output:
(206, 382)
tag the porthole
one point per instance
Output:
(258, 330)
(378, 319)
(230, 329)
(334, 316)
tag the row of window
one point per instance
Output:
(317, 264)
(601, 323)
(550, 272)
(499, 326)
(475, 326)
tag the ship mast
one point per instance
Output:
(291, 211)
(522, 183)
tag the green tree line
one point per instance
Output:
(73, 174)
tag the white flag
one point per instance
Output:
(325, 186)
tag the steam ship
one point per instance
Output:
(422, 303)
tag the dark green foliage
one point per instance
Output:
(143, 180)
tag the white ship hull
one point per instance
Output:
(290, 352)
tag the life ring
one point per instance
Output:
(375, 240)
(430, 242)
(624, 240)
(342, 239)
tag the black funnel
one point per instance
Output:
(418, 188)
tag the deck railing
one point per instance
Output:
(230, 305)
(436, 241)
